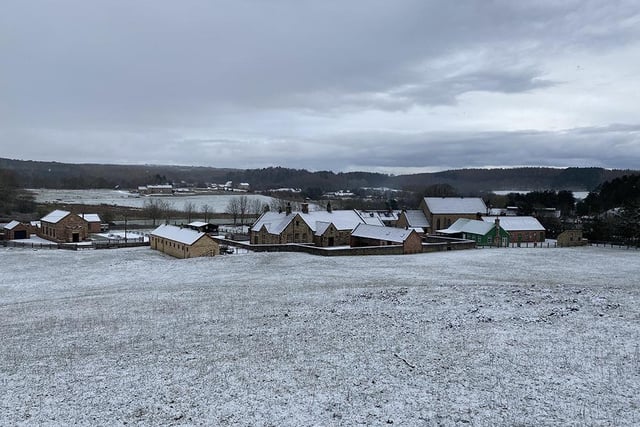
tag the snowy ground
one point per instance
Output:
(479, 337)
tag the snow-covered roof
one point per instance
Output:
(91, 217)
(13, 224)
(321, 227)
(198, 224)
(472, 226)
(276, 222)
(55, 216)
(455, 205)
(416, 218)
(186, 236)
(516, 223)
(389, 234)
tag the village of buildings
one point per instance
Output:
(438, 223)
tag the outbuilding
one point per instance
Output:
(16, 230)
(522, 229)
(182, 242)
(481, 232)
(375, 235)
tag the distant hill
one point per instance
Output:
(36, 174)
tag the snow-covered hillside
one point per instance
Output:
(480, 337)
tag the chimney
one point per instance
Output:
(329, 209)
(304, 207)
(288, 209)
(478, 216)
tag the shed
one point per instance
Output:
(204, 227)
(16, 230)
(94, 222)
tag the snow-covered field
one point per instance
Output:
(479, 337)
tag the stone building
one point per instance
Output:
(571, 238)
(183, 242)
(414, 218)
(63, 227)
(321, 228)
(16, 230)
(374, 235)
(521, 229)
(441, 212)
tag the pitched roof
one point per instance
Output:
(55, 216)
(178, 234)
(517, 223)
(198, 224)
(321, 227)
(91, 217)
(390, 234)
(455, 205)
(12, 225)
(276, 222)
(416, 218)
(472, 226)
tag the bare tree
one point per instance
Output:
(233, 209)
(243, 204)
(256, 207)
(156, 209)
(205, 211)
(189, 209)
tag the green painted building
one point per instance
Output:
(481, 232)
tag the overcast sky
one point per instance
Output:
(372, 85)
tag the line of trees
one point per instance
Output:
(242, 207)
(612, 212)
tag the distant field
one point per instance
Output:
(216, 202)
(478, 337)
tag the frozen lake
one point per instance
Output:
(478, 337)
(216, 202)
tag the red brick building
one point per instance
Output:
(63, 227)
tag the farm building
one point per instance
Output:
(375, 235)
(63, 227)
(441, 212)
(414, 218)
(388, 217)
(522, 229)
(204, 227)
(16, 230)
(322, 228)
(183, 242)
(571, 238)
(482, 232)
(94, 222)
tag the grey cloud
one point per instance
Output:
(144, 77)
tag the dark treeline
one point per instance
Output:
(612, 211)
(34, 174)
(13, 198)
